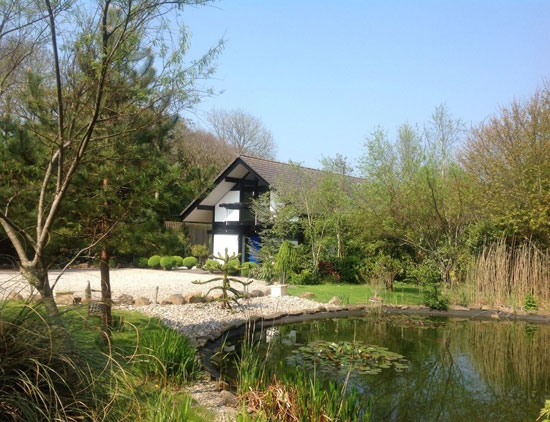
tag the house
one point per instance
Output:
(224, 210)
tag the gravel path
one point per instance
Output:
(133, 281)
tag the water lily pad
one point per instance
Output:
(347, 356)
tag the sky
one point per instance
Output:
(324, 75)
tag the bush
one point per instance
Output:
(233, 267)
(347, 268)
(154, 261)
(248, 268)
(201, 252)
(142, 262)
(178, 261)
(305, 277)
(530, 303)
(190, 262)
(434, 300)
(212, 265)
(167, 262)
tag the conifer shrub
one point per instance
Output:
(201, 252)
(233, 267)
(154, 261)
(179, 261)
(190, 262)
(212, 265)
(142, 262)
(167, 262)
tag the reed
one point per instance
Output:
(506, 275)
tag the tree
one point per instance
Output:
(508, 157)
(61, 116)
(245, 133)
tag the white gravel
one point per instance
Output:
(209, 319)
(132, 281)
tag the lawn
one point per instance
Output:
(403, 294)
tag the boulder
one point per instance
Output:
(307, 295)
(142, 301)
(166, 302)
(335, 301)
(195, 297)
(229, 399)
(256, 293)
(125, 299)
(177, 299)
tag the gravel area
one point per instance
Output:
(132, 281)
(199, 320)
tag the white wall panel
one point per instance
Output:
(229, 241)
(223, 214)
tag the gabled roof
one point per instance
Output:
(268, 173)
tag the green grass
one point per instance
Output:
(353, 294)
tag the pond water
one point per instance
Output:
(452, 370)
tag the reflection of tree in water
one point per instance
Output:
(475, 371)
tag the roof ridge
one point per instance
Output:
(298, 164)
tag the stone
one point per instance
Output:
(177, 299)
(142, 301)
(268, 291)
(166, 302)
(229, 399)
(256, 293)
(322, 309)
(307, 295)
(486, 308)
(196, 297)
(125, 299)
(335, 301)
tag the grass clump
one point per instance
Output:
(167, 357)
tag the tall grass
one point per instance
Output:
(167, 356)
(504, 274)
(294, 396)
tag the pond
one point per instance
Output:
(408, 368)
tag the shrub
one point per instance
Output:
(247, 268)
(154, 261)
(212, 265)
(167, 262)
(435, 300)
(178, 261)
(347, 268)
(285, 260)
(233, 267)
(305, 277)
(201, 252)
(142, 262)
(190, 262)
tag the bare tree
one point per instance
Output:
(244, 132)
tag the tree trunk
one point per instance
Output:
(37, 276)
(106, 317)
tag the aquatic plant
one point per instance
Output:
(344, 356)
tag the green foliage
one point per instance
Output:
(545, 412)
(266, 272)
(530, 304)
(212, 265)
(190, 262)
(248, 268)
(154, 261)
(285, 261)
(178, 261)
(167, 262)
(201, 252)
(229, 293)
(233, 267)
(166, 406)
(434, 299)
(167, 356)
(348, 268)
(142, 262)
(305, 277)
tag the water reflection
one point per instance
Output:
(458, 370)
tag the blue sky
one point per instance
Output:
(323, 75)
